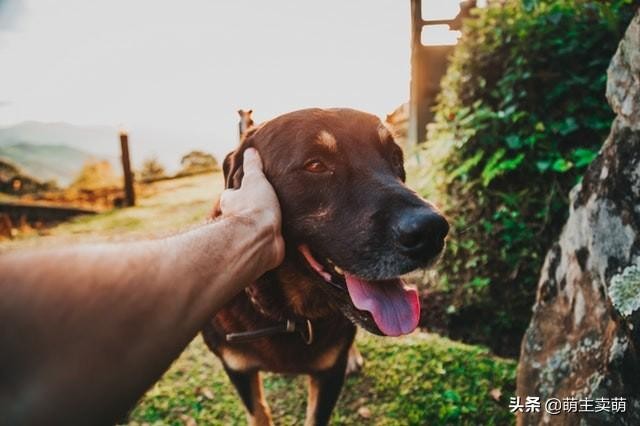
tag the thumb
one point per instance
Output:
(252, 164)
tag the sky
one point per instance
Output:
(174, 73)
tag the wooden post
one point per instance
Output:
(428, 66)
(129, 193)
(414, 92)
(6, 227)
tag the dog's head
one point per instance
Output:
(350, 224)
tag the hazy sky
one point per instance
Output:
(175, 72)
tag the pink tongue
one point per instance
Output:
(394, 307)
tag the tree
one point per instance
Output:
(198, 162)
(94, 175)
(13, 180)
(152, 169)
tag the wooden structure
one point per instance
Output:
(39, 212)
(428, 65)
(129, 193)
(6, 227)
(246, 121)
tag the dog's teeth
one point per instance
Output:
(338, 270)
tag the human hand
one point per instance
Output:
(256, 201)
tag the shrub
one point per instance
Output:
(152, 170)
(198, 162)
(521, 114)
(13, 180)
(95, 175)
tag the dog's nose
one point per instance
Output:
(420, 233)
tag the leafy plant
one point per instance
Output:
(520, 116)
(95, 175)
(152, 169)
(198, 162)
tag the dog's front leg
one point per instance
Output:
(249, 387)
(324, 390)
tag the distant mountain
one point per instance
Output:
(47, 162)
(167, 145)
(57, 150)
(101, 140)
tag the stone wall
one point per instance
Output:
(584, 337)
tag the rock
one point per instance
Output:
(624, 291)
(584, 336)
(364, 412)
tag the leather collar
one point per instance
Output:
(304, 328)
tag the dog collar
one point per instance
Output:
(304, 328)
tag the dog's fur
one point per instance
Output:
(344, 210)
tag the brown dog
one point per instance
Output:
(351, 228)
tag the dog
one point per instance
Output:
(351, 227)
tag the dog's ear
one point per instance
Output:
(226, 166)
(232, 169)
(232, 164)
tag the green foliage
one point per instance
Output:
(95, 175)
(198, 162)
(13, 180)
(415, 380)
(521, 114)
(152, 170)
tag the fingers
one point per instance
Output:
(252, 159)
(252, 165)
(256, 200)
(224, 199)
(255, 195)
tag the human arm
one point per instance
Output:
(85, 330)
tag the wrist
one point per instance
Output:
(264, 234)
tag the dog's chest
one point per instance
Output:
(288, 353)
(281, 358)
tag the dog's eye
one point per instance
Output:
(315, 166)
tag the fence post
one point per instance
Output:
(413, 132)
(129, 193)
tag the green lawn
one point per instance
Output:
(415, 380)
(163, 207)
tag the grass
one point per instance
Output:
(415, 380)
(6, 197)
(162, 207)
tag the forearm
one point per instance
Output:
(67, 315)
(228, 256)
